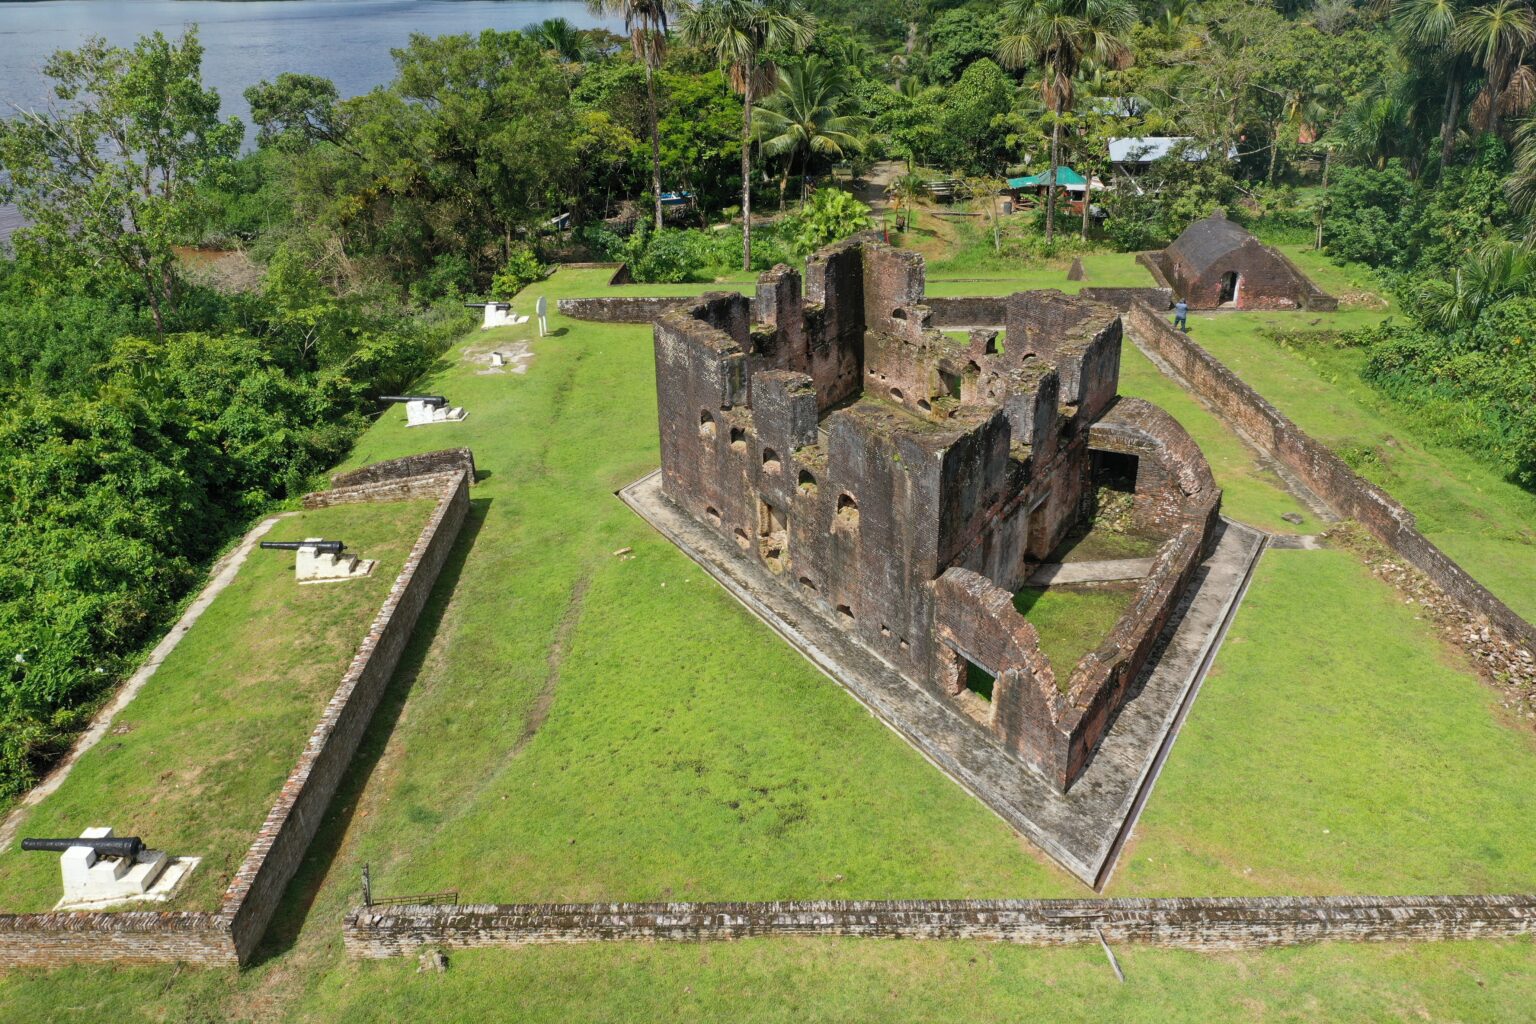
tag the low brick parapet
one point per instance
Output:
(1221, 923)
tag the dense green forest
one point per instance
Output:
(151, 411)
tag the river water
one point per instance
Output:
(347, 41)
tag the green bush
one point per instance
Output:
(829, 216)
(521, 269)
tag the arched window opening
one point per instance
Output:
(847, 512)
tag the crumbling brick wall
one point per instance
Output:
(860, 455)
(1207, 923)
(1324, 473)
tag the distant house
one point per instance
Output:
(1026, 189)
(1132, 157)
(1217, 264)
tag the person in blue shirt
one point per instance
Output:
(1181, 315)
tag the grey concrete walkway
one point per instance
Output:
(1107, 571)
(220, 577)
(1082, 829)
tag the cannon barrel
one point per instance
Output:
(330, 547)
(113, 846)
(436, 401)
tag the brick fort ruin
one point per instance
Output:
(1217, 264)
(904, 483)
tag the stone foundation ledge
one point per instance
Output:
(1217, 923)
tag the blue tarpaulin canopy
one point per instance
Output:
(1065, 176)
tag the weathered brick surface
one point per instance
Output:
(1124, 298)
(49, 940)
(1211, 249)
(1345, 491)
(862, 455)
(445, 460)
(968, 310)
(1207, 924)
(231, 935)
(619, 309)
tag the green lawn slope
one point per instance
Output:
(575, 724)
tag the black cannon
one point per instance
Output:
(114, 846)
(329, 547)
(435, 401)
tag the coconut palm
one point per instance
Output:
(1058, 35)
(646, 23)
(1371, 130)
(564, 41)
(738, 32)
(1521, 185)
(807, 114)
(1499, 270)
(1425, 28)
(1496, 37)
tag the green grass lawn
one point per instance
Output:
(1071, 621)
(1001, 276)
(574, 725)
(1482, 520)
(1250, 492)
(215, 731)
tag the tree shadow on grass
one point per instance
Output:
(299, 897)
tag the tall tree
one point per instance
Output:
(809, 113)
(1057, 35)
(739, 33)
(1425, 28)
(646, 23)
(1497, 37)
(112, 178)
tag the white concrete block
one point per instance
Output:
(315, 566)
(421, 414)
(91, 881)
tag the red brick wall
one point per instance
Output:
(1346, 492)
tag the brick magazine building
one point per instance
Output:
(904, 483)
(1216, 263)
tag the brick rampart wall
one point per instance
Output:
(231, 935)
(968, 310)
(621, 309)
(1345, 491)
(1125, 298)
(140, 936)
(445, 460)
(1210, 924)
(258, 885)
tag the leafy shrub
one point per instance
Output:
(521, 269)
(829, 215)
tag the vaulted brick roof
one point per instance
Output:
(1206, 241)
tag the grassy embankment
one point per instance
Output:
(571, 725)
(1482, 520)
(194, 762)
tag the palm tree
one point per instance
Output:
(646, 23)
(806, 113)
(1372, 130)
(1496, 37)
(567, 43)
(1058, 35)
(1499, 270)
(1425, 28)
(1521, 186)
(738, 32)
